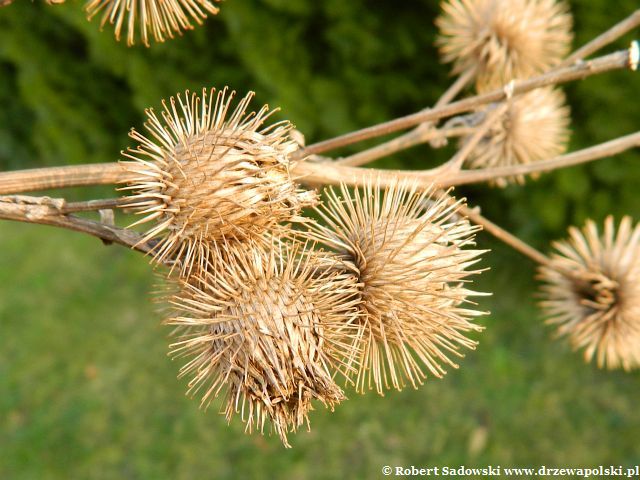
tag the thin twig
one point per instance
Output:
(455, 163)
(111, 173)
(327, 173)
(611, 35)
(93, 205)
(403, 142)
(421, 134)
(48, 214)
(504, 236)
(602, 150)
(614, 61)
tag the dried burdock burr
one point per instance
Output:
(412, 271)
(503, 40)
(534, 127)
(208, 172)
(161, 19)
(592, 292)
(271, 329)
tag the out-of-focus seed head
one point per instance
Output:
(592, 292)
(412, 268)
(160, 18)
(271, 329)
(208, 172)
(503, 40)
(535, 127)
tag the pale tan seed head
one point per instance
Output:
(503, 40)
(208, 172)
(535, 127)
(592, 292)
(161, 19)
(271, 330)
(412, 268)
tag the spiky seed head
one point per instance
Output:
(271, 329)
(534, 127)
(503, 40)
(591, 292)
(412, 268)
(160, 18)
(207, 172)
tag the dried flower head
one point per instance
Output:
(534, 127)
(592, 292)
(207, 172)
(271, 329)
(504, 40)
(412, 270)
(162, 18)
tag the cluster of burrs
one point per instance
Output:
(273, 310)
(592, 282)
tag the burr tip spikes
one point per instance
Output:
(591, 292)
(270, 329)
(408, 251)
(207, 171)
(160, 18)
(503, 40)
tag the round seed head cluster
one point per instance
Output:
(208, 172)
(412, 271)
(503, 40)
(160, 18)
(535, 127)
(270, 330)
(592, 292)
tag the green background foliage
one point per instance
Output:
(86, 389)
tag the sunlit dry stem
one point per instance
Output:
(111, 173)
(456, 162)
(46, 211)
(421, 134)
(424, 133)
(614, 61)
(321, 174)
(415, 137)
(519, 245)
(611, 35)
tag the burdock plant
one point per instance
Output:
(592, 292)
(273, 322)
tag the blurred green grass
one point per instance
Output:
(88, 391)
